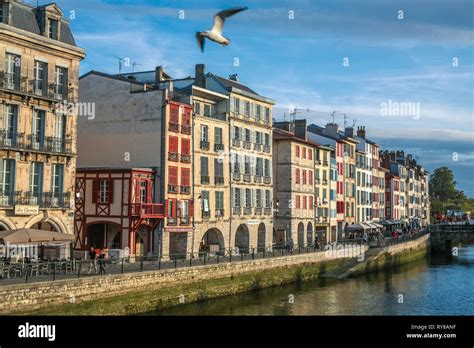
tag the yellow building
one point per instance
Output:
(39, 66)
(322, 184)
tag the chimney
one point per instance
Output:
(286, 126)
(300, 129)
(361, 132)
(331, 129)
(159, 75)
(234, 77)
(349, 132)
(200, 75)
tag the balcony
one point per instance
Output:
(205, 179)
(268, 211)
(258, 211)
(236, 176)
(257, 179)
(219, 180)
(204, 145)
(172, 156)
(44, 199)
(325, 182)
(267, 180)
(173, 127)
(257, 147)
(173, 188)
(185, 158)
(186, 190)
(247, 177)
(148, 210)
(219, 213)
(267, 148)
(48, 144)
(317, 180)
(11, 140)
(218, 147)
(35, 88)
(236, 142)
(205, 215)
(325, 163)
(7, 198)
(247, 145)
(247, 210)
(237, 210)
(171, 221)
(184, 221)
(185, 129)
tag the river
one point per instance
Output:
(437, 285)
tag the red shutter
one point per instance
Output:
(304, 176)
(310, 154)
(297, 151)
(191, 208)
(185, 146)
(173, 209)
(304, 152)
(173, 144)
(166, 208)
(173, 176)
(95, 190)
(297, 176)
(310, 202)
(185, 177)
(311, 177)
(111, 191)
(297, 202)
(185, 118)
(174, 113)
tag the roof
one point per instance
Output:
(28, 18)
(233, 84)
(280, 134)
(114, 77)
(319, 130)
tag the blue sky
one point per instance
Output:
(299, 62)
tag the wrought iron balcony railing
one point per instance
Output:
(218, 147)
(219, 180)
(204, 145)
(205, 179)
(11, 140)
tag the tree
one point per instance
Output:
(443, 193)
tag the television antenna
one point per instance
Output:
(120, 60)
(134, 64)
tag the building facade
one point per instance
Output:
(39, 67)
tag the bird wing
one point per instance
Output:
(201, 40)
(220, 18)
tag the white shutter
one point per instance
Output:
(232, 104)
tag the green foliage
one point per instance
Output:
(444, 195)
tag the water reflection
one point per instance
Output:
(438, 285)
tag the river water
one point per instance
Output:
(437, 285)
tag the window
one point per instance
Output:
(268, 199)
(247, 165)
(197, 108)
(310, 154)
(185, 146)
(297, 176)
(217, 135)
(247, 135)
(174, 114)
(236, 134)
(267, 114)
(305, 205)
(143, 187)
(297, 151)
(1, 12)
(218, 168)
(173, 176)
(173, 144)
(205, 203)
(204, 170)
(310, 177)
(237, 105)
(304, 177)
(207, 110)
(304, 152)
(219, 200)
(185, 177)
(104, 190)
(36, 178)
(59, 127)
(310, 202)
(57, 179)
(259, 112)
(53, 29)
(258, 137)
(266, 167)
(267, 140)
(259, 198)
(237, 198)
(12, 67)
(247, 108)
(298, 202)
(37, 133)
(41, 78)
(248, 198)
(186, 117)
(7, 176)
(61, 81)
(237, 163)
(10, 123)
(204, 133)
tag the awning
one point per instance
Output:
(30, 235)
(359, 226)
(373, 224)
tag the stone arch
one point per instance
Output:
(51, 223)
(310, 232)
(242, 239)
(261, 237)
(142, 240)
(300, 234)
(103, 234)
(211, 239)
(6, 224)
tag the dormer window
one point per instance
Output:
(53, 29)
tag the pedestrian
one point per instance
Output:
(316, 243)
(102, 262)
(93, 261)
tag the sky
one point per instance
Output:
(355, 57)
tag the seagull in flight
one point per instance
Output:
(215, 34)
